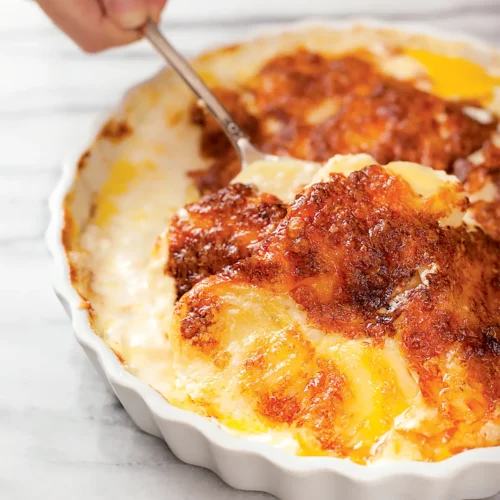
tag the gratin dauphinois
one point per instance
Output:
(349, 308)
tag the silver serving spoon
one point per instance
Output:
(247, 151)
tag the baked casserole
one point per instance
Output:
(348, 307)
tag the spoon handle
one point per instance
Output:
(187, 73)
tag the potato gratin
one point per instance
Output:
(349, 306)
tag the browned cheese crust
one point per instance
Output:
(218, 230)
(310, 106)
(475, 177)
(366, 111)
(353, 253)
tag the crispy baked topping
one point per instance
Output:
(395, 121)
(368, 259)
(312, 107)
(217, 231)
(313, 390)
(363, 257)
(116, 131)
(482, 180)
(354, 243)
(359, 320)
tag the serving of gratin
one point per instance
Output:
(346, 307)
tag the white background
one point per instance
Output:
(62, 435)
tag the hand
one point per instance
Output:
(96, 25)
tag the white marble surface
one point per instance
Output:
(62, 434)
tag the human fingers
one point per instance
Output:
(132, 14)
(86, 22)
(155, 9)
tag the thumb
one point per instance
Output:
(127, 14)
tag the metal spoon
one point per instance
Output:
(247, 151)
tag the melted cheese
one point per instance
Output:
(455, 77)
(122, 174)
(376, 409)
(384, 392)
(134, 299)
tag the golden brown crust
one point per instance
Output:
(82, 162)
(312, 391)
(325, 392)
(218, 230)
(310, 106)
(366, 257)
(488, 215)
(197, 324)
(395, 121)
(475, 178)
(116, 131)
(360, 239)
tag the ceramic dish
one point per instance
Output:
(243, 463)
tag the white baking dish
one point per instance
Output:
(249, 465)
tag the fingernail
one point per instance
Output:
(132, 19)
(128, 14)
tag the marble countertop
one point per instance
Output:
(62, 433)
